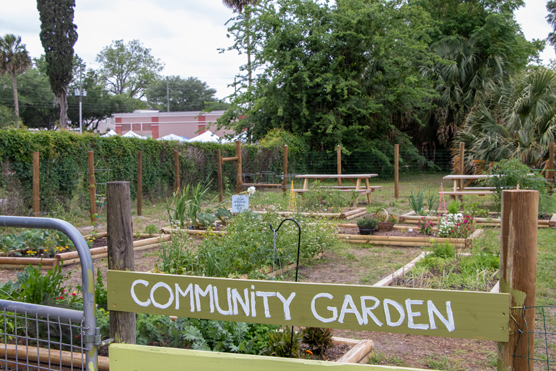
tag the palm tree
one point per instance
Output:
(238, 5)
(517, 119)
(14, 60)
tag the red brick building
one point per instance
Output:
(157, 124)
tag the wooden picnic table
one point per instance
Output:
(470, 177)
(354, 178)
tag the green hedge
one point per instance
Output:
(63, 164)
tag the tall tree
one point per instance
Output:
(14, 60)
(333, 74)
(179, 94)
(239, 5)
(58, 36)
(128, 68)
(551, 18)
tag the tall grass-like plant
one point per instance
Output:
(185, 206)
(432, 200)
(417, 201)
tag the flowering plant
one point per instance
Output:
(425, 226)
(456, 226)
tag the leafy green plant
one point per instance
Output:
(37, 288)
(367, 222)
(151, 229)
(223, 215)
(35, 243)
(417, 201)
(318, 339)
(473, 210)
(453, 207)
(246, 248)
(511, 173)
(185, 207)
(280, 344)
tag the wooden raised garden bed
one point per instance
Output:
(388, 280)
(412, 218)
(72, 257)
(425, 241)
(344, 215)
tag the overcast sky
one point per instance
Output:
(184, 34)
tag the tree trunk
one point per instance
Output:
(63, 100)
(16, 103)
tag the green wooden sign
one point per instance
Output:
(458, 314)
(125, 357)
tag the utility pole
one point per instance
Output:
(167, 95)
(80, 93)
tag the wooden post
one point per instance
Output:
(339, 163)
(92, 186)
(285, 181)
(396, 170)
(120, 252)
(36, 185)
(140, 183)
(238, 167)
(177, 170)
(461, 164)
(219, 170)
(518, 273)
(549, 173)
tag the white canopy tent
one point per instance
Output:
(109, 133)
(173, 137)
(206, 137)
(131, 134)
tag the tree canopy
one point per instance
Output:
(128, 68)
(189, 94)
(58, 36)
(333, 74)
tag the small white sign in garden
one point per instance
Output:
(240, 203)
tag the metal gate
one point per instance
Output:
(38, 337)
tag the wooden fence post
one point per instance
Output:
(177, 170)
(396, 170)
(339, 163)
(285, 181)
(238, 167)
(140, 183)
(461, 163)
(120, 252)
(518, 274)
(549, 173)
(92, 185)
(36, 185)
(219, 170)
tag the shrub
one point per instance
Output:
(368, 222)
(318, 339)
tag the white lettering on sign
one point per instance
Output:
(234, 302)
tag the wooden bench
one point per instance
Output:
(349, 187)
(360, 191)
(477, 189)
(460, 194)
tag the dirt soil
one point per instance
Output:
(398, 349)
(394, 232)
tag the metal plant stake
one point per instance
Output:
(297, 263)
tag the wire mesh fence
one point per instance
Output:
(543, 332)
(34, 340)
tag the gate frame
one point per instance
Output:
(91, 334)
